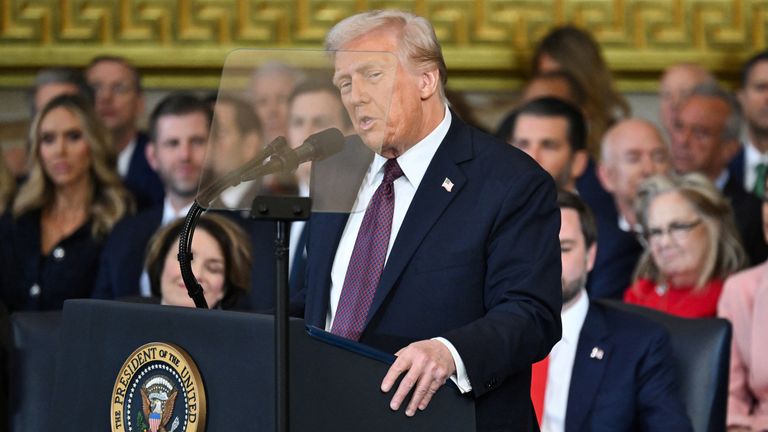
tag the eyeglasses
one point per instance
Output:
(677, 231)
(118, 88)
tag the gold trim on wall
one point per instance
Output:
(487, 43)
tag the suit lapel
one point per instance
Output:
(588, 368)
(429, 202)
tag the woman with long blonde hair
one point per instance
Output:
(63, 212)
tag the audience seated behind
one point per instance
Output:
(705, 137)
(611, 370)
(119, 103)
(745, 304)
(691, 246)
(179, 129)
(221, 263)
(552, 132)
(574, 50)
(632, 150)
(63, 212)
(749, 165)
(271, 85)
(676, 84)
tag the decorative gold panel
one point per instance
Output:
(487, 43)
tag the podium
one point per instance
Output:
(332, 388)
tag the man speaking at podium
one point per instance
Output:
(453, 263)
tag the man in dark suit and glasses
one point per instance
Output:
(452, 260)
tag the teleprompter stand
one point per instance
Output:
(283, 210)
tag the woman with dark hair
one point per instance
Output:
(62, 213)
(221, 263)
(692, 245)
(575, 51)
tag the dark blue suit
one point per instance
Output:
(122, 260)
(479, 265)
(747, 210)
(141, 179)
(125, 251)
(633, 387)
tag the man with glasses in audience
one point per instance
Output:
(705, 138)
(119, 103)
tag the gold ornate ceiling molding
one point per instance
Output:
(487, 43)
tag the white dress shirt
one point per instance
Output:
(414, 163)
(561, 360)
(752, 158)
(124, 158)
(169, 215)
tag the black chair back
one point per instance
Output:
(702, 351)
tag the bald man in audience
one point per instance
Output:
(676, 84)
(631, 151)
(119, 103)
(705, 139)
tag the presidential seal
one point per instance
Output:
(158, 389)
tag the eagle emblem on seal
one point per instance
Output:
(157, 399)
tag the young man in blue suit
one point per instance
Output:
(457, 231)
(612, 370)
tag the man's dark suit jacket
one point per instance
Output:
(633, 387)
(122, 260)
(747, 210)
(617, 255)
(478, 265)
(141, 179)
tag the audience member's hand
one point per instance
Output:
(428, 364)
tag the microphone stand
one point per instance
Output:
(283, 210)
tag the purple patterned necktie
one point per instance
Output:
(368, 256)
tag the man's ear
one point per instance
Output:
(150, 151)
(605, 177)
(591, 255)
(429, 83)
(579, 163)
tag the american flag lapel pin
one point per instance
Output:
(447, 184)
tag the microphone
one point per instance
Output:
(316, 147)
(239, 175)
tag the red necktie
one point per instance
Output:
(368, 256)
(539, 372)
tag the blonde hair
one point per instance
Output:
(108, 199)
(418, 47)
(725, 254)
(577, 53)
(7, 185)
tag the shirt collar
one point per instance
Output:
(415, 161)
(169, 214)
(752, 155)
(722, 179)
(573, 318)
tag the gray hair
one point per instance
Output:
(274, 67)
(725, 254)
(732, 130)
(418, 45)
